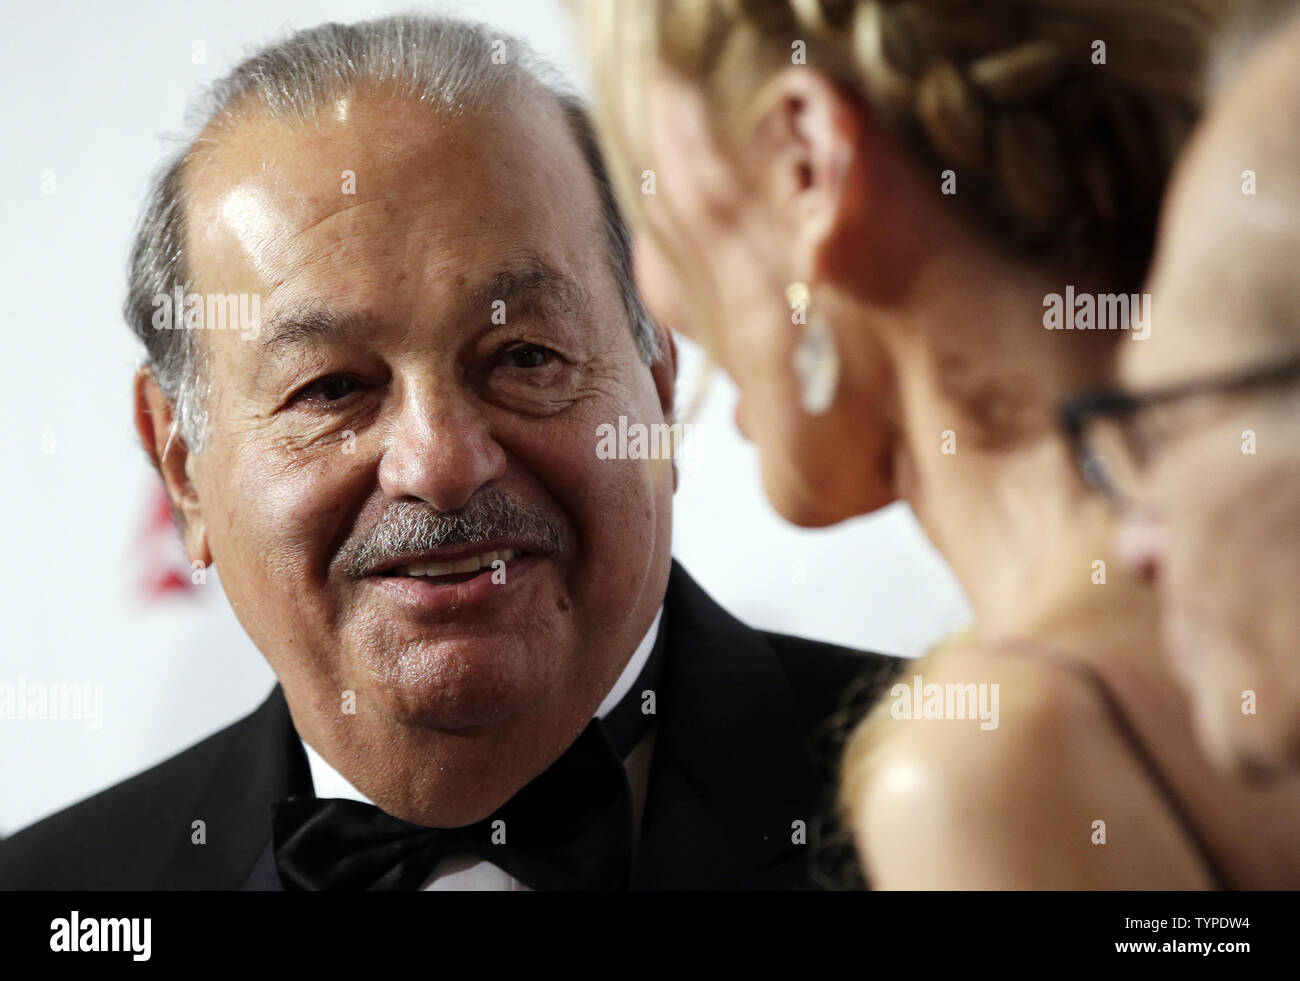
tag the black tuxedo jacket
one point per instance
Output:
(735, 764)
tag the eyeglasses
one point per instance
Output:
(1114, 434)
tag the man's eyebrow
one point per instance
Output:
(532, 284)
(307, 323)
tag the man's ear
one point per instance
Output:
(155, 423)
(664, 373)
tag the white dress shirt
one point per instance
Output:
(469, 872)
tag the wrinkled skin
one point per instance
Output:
(1218, 528)
(424, 401)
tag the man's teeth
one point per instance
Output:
(473, 564)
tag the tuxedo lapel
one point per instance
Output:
(732, 771)
(263, 763)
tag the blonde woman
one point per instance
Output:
(869, 212)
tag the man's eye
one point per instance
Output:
(331, 388)
(527, 356)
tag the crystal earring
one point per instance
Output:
(816, 357)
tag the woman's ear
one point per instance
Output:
(856, 214)
(815, 135)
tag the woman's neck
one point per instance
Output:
(1023, 541)
(990, 477)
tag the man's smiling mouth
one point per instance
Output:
(457, 583)
(454, 570)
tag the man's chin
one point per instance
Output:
(455, 685)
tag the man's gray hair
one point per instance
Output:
(446, 64)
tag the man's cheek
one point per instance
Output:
(286, 514)
(1243, 699)
(1196, 591)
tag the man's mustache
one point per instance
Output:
(408, 529)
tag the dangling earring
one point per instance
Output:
(816, 358)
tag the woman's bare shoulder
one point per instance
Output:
(991, 768)
(1011, 696)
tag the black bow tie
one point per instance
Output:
(570, 828)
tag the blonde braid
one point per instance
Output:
(1060, 160)
(1008, 93)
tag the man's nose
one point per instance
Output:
(442, 451)
(1140, 542)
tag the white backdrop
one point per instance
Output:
(91, 87)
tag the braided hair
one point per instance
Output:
(1062, 117)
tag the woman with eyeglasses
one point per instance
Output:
(864, 211)
(1200, 450)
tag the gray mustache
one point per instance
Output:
(408, 528)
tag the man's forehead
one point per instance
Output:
(453, 209)
(1225, 258)
(377, 182)
(368, 146)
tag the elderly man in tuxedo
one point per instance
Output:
(491, 673)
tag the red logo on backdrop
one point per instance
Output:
(166, 570)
